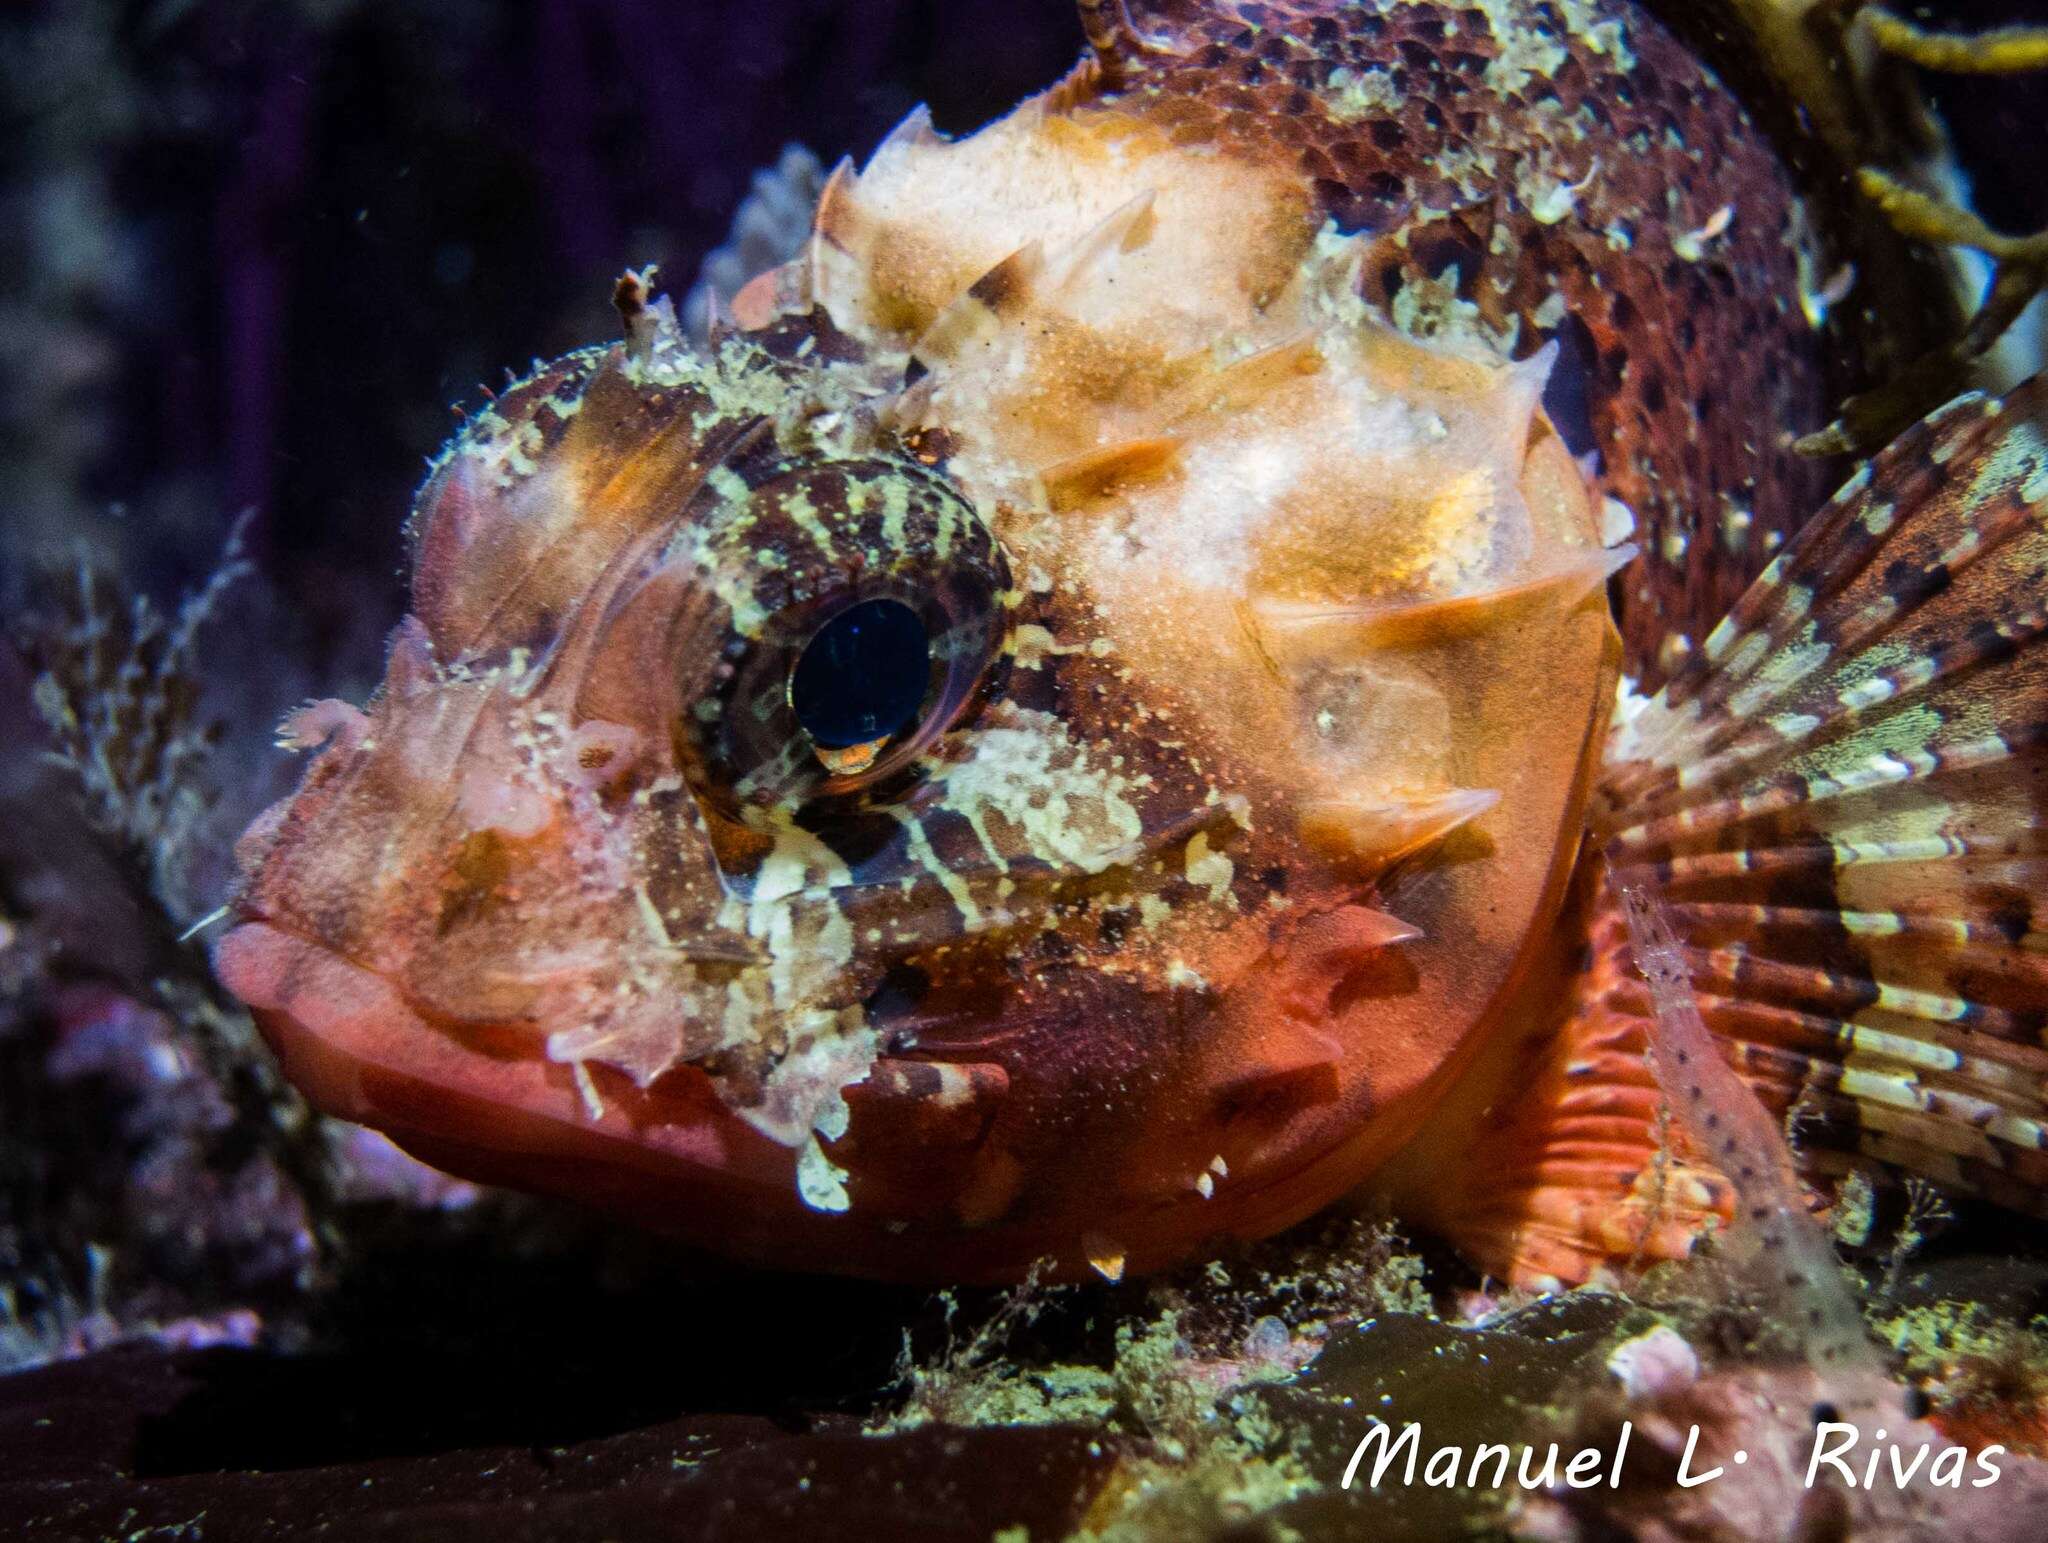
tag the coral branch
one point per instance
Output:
(2005, 51)
(2019, 275)
(119, 689)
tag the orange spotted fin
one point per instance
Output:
(1842, 802)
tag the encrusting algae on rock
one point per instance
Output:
(1097, 715)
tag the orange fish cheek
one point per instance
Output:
(1088, 1104)
(1228, 1082)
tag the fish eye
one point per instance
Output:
(858, 609)
(860, 681)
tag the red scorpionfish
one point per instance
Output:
(1096, 718)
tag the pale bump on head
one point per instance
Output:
(1164, 388)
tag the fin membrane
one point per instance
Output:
(1842, 799)
(1576, 1166)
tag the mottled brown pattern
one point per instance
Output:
(1232, 855)
(1695, 374)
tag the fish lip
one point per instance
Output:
(304, 936)
(361, 1050)
(318, 1008)
(346, 1037)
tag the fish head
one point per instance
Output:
(924, 786)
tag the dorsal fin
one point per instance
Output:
(1126, 228)
(981, 309)
(914, 132)
(1243, 382)
(830, 270)
(1381, 831)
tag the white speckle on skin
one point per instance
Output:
(1617, 522)
(1553, 204)
(820, 1181)
(1209, 870)
(586, 1089)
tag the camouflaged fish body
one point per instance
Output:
(1251, 425)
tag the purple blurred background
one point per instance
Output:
(255, 251)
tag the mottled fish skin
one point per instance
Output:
(1234, 854)
(1563, 171)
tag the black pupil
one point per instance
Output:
(863, 676)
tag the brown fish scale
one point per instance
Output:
(1696, 374)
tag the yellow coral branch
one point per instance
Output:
(2005, 51)
(2019, 273)
(1918, 216)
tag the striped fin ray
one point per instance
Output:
(1955, 1105)
(1857, 574)
(1843, 801)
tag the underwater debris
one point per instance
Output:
(1211, 1463)
(1985, 1375)
(967, 1383)
(1177, 1346)
(1170, 1388)
(1849, 64)
(1927, 1212)
(43, 1315)
(232, 1180)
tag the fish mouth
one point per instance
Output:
(672, 1158)
(350, 1040)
